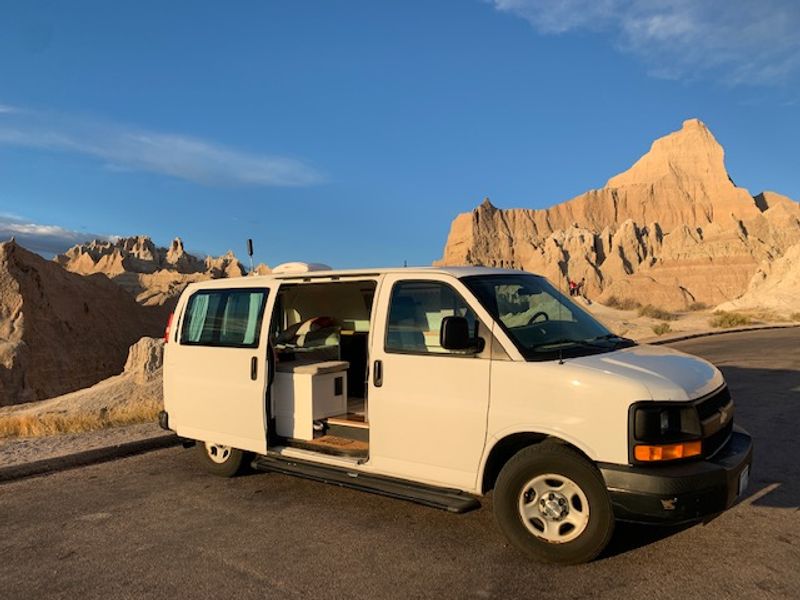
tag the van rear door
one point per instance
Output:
(216, 376)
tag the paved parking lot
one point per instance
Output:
(156, 526)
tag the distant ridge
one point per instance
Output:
(153, 274)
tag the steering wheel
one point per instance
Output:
(537, 315)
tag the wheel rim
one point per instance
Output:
(217, 452)
(554, 508)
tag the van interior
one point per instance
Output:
(320, 340)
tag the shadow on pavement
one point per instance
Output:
(768, 406)
(630, 536)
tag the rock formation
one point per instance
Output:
(60, 331)
(154, 275)
(134, 393)
(134, 255)
(775, 286)
(672, 230)
(226, 265)
(261, 269)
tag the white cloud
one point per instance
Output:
(558, 16)
(47, 240)
(126, 148)
(733, 41)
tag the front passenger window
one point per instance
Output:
(416, 311)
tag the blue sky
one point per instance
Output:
(353, 132)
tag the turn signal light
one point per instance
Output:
(647, 453)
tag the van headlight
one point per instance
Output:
(662, 432)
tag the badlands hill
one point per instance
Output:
(67, 324)
(154, 275)
(60, 331)
(133, 395)
(775, 286)
(673, 230)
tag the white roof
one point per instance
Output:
(249, 281)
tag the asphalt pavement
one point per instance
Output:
(156, 526)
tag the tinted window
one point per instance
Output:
(416, 312)
(224, 318)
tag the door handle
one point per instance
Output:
(377, 373)
(254, 368)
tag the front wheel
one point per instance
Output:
(552, 504)
(220, 460)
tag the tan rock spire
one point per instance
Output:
(690, 155)
(673, 229)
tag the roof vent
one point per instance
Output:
(290, 268)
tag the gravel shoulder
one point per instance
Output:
(17, 451)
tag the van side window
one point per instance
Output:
(230, 318)
(416, 311)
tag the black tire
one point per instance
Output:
(229, 463)
(512, 491)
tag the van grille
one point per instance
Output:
(716, 418)
(711, 404)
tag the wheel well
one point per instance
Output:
(508, 447)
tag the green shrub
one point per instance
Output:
(623, 303)
(656, 313)
(661, 328)
(698, 306)
(725, 319)
(795, 316)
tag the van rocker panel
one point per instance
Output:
(444, 498)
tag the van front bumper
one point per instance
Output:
(672, 494)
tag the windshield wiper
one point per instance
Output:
(595, 342)
(561, 342)
(617, 338)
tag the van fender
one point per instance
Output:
(534, 431)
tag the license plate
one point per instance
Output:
(744, 479)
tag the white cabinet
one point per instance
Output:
(305, 392)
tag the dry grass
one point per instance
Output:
(724, 319)
(695, 306)
(622, 303)
(78, 422)
(656, 313)
(661, 328)
(769, 316)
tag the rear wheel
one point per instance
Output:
(552, 504)
(220, 460)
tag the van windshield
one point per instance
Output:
(542, 322)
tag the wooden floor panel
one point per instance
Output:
(349, 420)
(332, 444)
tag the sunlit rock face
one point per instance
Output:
(672, 230)
(60, 331)
(154, 275)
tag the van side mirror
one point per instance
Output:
(454, 335)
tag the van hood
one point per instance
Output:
(666, 373)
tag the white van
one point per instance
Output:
(439, 385)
